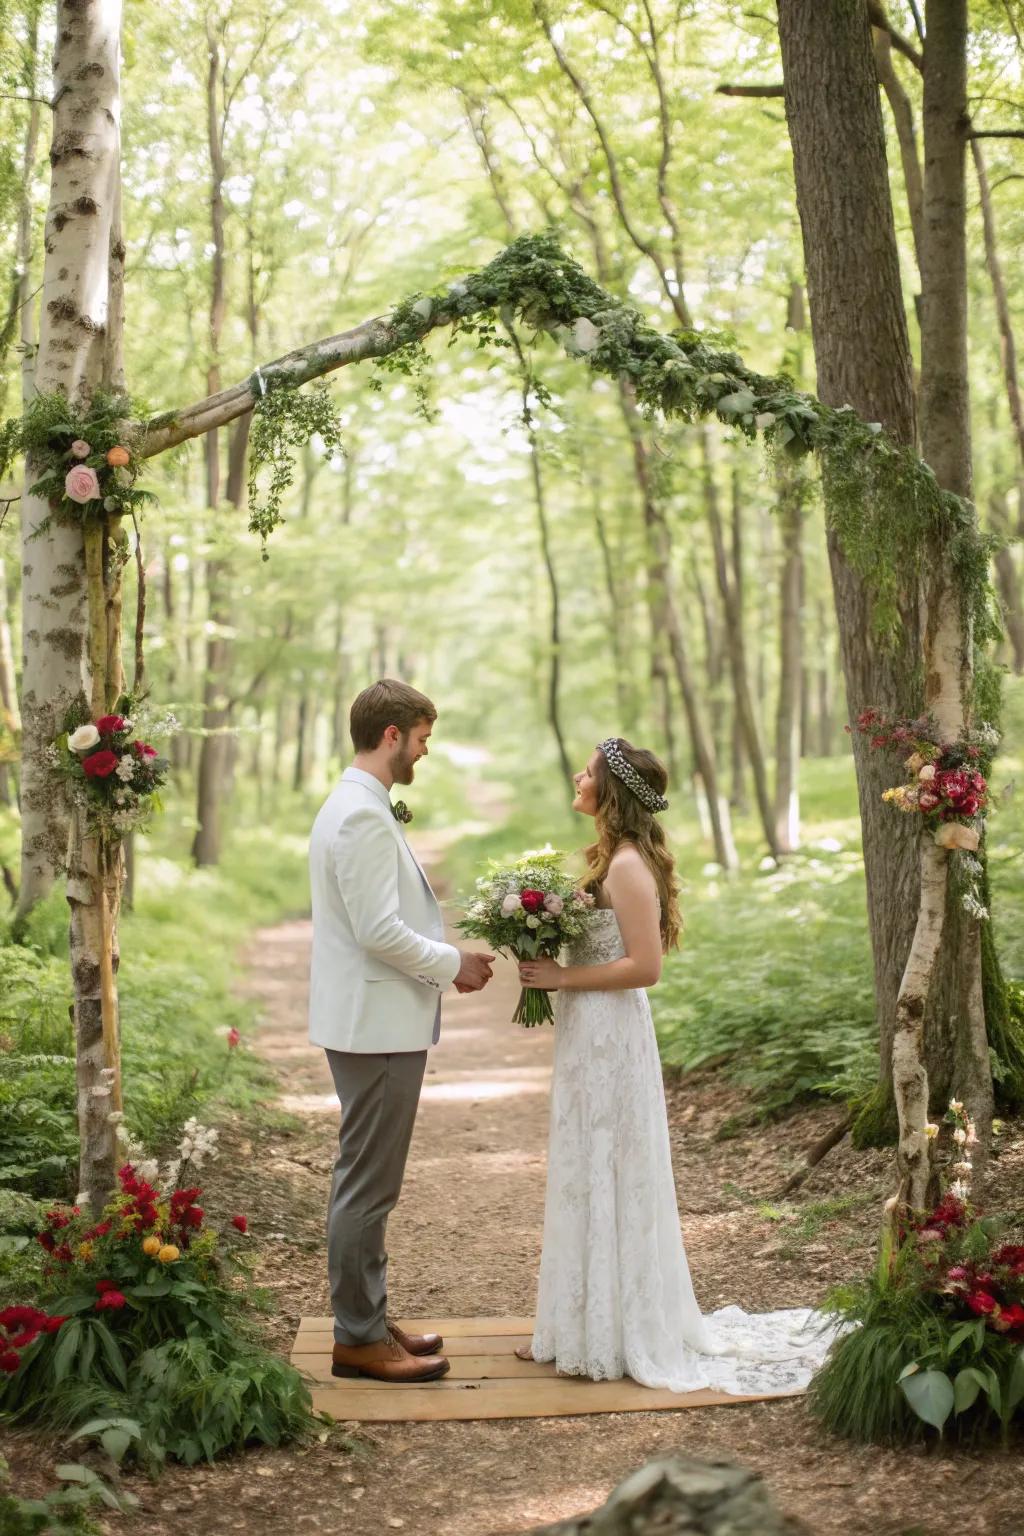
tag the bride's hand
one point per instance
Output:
(543, 973)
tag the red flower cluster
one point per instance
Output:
(141, 1208)
(241, 1223)
(992, 1289)
(964, 791)
(532, 901)
(185, 1214)
(20, 1327)
(109, 1298)
(101, 764)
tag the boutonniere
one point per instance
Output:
(401, 812)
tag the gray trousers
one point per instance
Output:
(379, 1095)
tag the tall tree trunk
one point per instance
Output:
(10, 714)
(70, 582)
(746, 712)
(960, 1041)
(826, 728)
(665, 611)
(554, 658)
(791, 671)
(19, 318)
(863, 359)
(213, 753)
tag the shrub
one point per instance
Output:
(140, 1338)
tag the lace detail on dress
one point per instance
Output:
(614, 1295)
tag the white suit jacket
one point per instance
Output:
(379, 963)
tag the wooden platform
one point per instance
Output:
(486, 1381)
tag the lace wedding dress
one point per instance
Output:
(614, 1295)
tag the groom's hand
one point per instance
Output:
(475, 971)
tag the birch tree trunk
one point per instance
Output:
(70, 584)
(946, 446)
(85, 161)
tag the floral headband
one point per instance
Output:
(623, 769)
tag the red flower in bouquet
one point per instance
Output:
(108, 724)
(192, 1216)
(111, 1301)
(1010, 1318)
(532, 901)
(143, 749)
(9, 1361)
(100, 765)
(981, 1303)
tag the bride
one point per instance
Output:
(614, 1296)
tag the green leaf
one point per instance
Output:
(115, 1442)
(112, 1352)
(73, 1472)
(736, 404)
(87, 1354)
(1015, 1388)
(67, 1347)
(908, 1370)
(966, 1386)
(155, 1288)
(974, 1330)
(930, 1394)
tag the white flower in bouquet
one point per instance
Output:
(125, 769)
(533, 922)
(85, 737)
(511, 904)
(927, 773)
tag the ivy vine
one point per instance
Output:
(284, 418)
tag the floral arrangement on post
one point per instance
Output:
(526, 909)
(112, 771)
(141, 1324)
(90, 461)
(947, 784)
(941, 1336)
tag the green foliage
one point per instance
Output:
(62, 1512)
(177, 1004)
(919, 1355)
(45, 433)
(284, 418)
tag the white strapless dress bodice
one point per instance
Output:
(614, 1295)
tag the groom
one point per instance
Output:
(379, 967)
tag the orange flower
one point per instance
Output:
(118, 457)
(168, 1253)
(152, 1247)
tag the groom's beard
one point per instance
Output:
(404, 768)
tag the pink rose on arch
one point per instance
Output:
(80, 449)
(927, 800)
(81, 484)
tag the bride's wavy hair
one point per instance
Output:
(622, 818)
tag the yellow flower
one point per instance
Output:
(168, 1253)
(85, 1250)
(152, 1246)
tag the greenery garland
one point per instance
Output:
(885, 505)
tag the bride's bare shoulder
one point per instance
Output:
(628, 865)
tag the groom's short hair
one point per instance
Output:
(387, 702)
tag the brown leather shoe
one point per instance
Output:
(386, 1360)
(417, 1343)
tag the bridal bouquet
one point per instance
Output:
(526, 909)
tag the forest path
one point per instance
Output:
(465, 1240)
